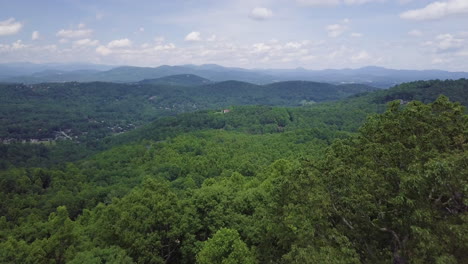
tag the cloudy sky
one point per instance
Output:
(314, 34)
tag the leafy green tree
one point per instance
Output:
(397, 190)
(297, 227)
(225, 247)
(61, 243)
(112, 255)
(144, 223)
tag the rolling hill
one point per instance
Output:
(256, 174)
(374, 76)
(96, 109)
(178, 80)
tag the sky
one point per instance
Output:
(313, 34)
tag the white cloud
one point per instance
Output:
(159, 39)
(18, 45)
(403, 2)
(360, 2)
(260, 13)
(415, 33)
(120, 43)
(86, 43)
(212, 38)
(447, 45)
(115, 46)
(123, 49)
(361, 56)
(335, 2)
(439, 60)
(338, 52)
(35, 35)
(336, 30)
(103, 50)
(222, 52)
(437, 10)
(356, 35)
(319, 2)
(15, 46)
(141, 29)
(70, 33)
(293, 45)
(260, 47)
(169, 46)
(193, 36)
(9, 27)
(308, 58)
(297, 45)
(463, 34)
(463, 53)
(447, 42)
(447, 50)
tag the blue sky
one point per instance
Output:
(314, 34)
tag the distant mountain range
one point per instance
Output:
(178, 80)
(43, 110)
(8, 70)
(374, 76)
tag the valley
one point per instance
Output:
(151, 172)
(234, 132)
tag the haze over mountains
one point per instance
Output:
(28, 68)
(234, 132)
(375, 76)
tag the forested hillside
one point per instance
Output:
(80, 112)
(371, 75)
(87, 111)
(373, 178)
(178, 80)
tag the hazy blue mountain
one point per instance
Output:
(215, 67)
(27, 68)
(131, 74)
(374, 76)
(51, 76)
(178, 80)
(215, 73)
(135, 74)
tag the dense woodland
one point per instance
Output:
(377, 177)
(87, 111)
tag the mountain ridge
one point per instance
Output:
(372, 75)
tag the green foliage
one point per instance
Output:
(112, 255)
(48, 124)
(426, 91)
(259, 184)
(144, 222)
(54, 241)
(225, 247)
(399, 187)
(91, 111)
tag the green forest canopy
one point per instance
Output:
(256, 185)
